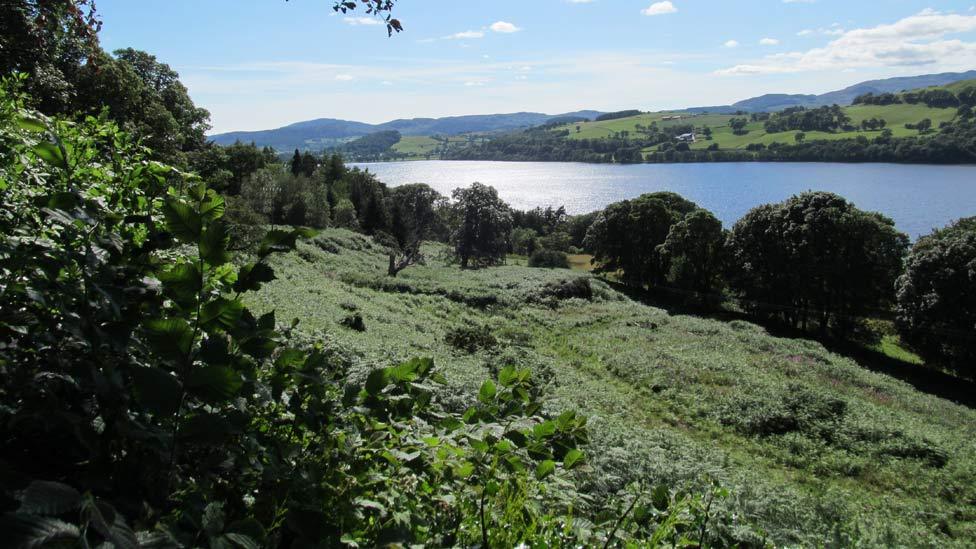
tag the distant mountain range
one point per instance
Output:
(326, 132)
(315, 134)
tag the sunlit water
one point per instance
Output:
(918, 198)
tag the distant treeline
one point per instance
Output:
(617, 115)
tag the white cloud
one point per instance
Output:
(465, 35)
(769, 42)
(659, 8)
(344, 77)
(919, 40)
(731, 44)
(474, 83)
(357, 21)
(504, 27)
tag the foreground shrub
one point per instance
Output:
(549, 259)
(471, 338)
(937, 297)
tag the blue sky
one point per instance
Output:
(258, 64)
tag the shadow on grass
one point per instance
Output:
(922, 378)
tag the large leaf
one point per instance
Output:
(182, 220)
(157, 390)
(31, 124)
(52, 154)
(213, 244)
(487, 392)
(182, 282)
(250, 277)
(214, 384)
(225, 312)
(545, 468)
(49, 498)
(31, 531)
(170, 337)
(212, 207)
(573, 458)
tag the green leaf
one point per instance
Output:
(31, 124)
(212, 207)
(545, 469)
(157, 390)
(508, 376)
(573, 457)
(182, 221)
(242, 541)
(182, 283)
(52, 154)
(250, 277)
(214, 384)
(487, 392)
(544, 429)
(225, 312)
(376, 381)
(170, 337)
(661, 498)
(213, 244)
(31, 531)
(49, 498)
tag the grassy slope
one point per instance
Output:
(420, 146)
(896, 116)
(660, 389)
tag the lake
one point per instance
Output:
(918, 197)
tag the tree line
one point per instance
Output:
(814, 262)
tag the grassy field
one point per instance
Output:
(422, 146)
(816, 449)
(896, 116)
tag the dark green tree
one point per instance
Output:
(484, 226)
(694, 256)
(815, 259)
(937, 297)
(626, 235)
(296, 163)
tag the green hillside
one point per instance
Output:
(816, 449)
(895, 115)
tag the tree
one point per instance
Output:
(694, 256)
(815, 258)
(936, 312)
(799, 137)
(484, 226)
(296, 163)
(625, 236)
(416, 217)
(738, 125)
(48, 40)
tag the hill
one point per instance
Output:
(778, 101)
(815, 448)
(326, 132)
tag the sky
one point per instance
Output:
(261, 64)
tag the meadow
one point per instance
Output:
(815, 449)
(895, 115)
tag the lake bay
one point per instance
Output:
(918, 197)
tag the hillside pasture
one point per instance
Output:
(816, 449)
